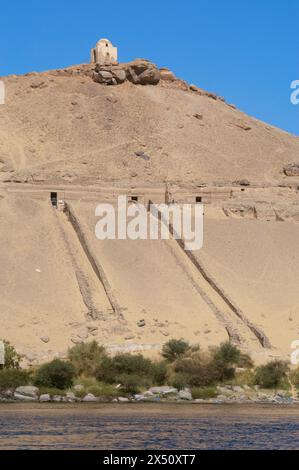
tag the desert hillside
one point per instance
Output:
(90, 133)
(62, 126)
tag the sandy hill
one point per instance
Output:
(64, 126)
(132, 124)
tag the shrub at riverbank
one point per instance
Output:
(184, 373)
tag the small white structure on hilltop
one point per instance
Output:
(104, 53)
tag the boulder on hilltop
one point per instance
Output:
(139, 72)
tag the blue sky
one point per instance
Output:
(245, 50)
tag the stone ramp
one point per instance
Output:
(152, 288)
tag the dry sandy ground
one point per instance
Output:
(70, 129)
(257, 263)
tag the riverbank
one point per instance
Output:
(225, 394)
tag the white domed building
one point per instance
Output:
(104, 53)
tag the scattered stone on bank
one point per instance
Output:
(163, 390)
(141, 323)
(123, 400)
(89, 398)
(70, 397)
(234, 394)
(7, 394)
(185, 395)
(26, 393)
(45, 398)
(238, 389)
(57, 398)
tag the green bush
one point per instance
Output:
(159, 373)
(55, 374)
(294, 377)
(245, 361)
(98, 389)
(51, 391)
(85, 381)
(12, 358)
(86, 357)
(228, 355)
(130, 383)
(112, 369)
(179, 380)
(174, 349)
(80, 393)
(272, 375)
(224, 360)
(13, 378)
(196, 368)
(103, 390)
(204, 392)
(245, 378)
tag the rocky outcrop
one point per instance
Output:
(167, 75)
(288, 213)
(110, 75)
(139, 72)
(242, 182)
(143, 72)
(265, 211)
(292, 169)
(244, 210)
(262, 211)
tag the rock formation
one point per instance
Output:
(139, 72)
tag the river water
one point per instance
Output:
(148, 426)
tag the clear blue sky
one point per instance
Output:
(245, 50)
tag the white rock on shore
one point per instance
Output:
(45, 398)
(89, 398)
(26, 393)
(162, 390)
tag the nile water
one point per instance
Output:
(148, 426)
